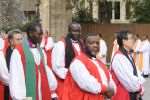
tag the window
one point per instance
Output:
(117, 10)
(29, 15)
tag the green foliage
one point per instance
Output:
(24, 26)
(142, 11)
(82, 13)
(83, 16)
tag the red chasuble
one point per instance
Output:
(60, 87)
(73, 92)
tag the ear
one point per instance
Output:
(30, 34)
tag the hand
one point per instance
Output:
(54, 98)
(110, 92)
(142, 91)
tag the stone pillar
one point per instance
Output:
(95, 10)
(55, 16)
(59, 18)
(113, 11)
(44, 14)
(11, 14)
(123, 10)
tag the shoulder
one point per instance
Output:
(119, 56)
(19, 50)
(76, 64)
(59, 43)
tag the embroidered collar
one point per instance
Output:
(74, 41)
(31, 44)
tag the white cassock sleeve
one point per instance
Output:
(4, 75)
(124, 72)
(83, 78)
(51, 78)
(58, 60)
(17, 79)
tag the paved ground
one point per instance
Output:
(147, 90)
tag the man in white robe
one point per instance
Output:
(102, 55)
(63, 53)
(145, 49)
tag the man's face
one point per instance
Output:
(92, 44)
(17, 39)
(76, 35)
(36, 37)
(129, 43)
(75, 31)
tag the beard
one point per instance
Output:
(75, 37)
(35, 40)
(89, 53)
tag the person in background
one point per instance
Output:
(145, 49)
(47, 44)
(64, 52)
(138, 56)
(102, 55)
(115, 46)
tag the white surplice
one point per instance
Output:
(58, 58)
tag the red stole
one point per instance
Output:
(45, 89)
(48, 53)
(72, 90)
(122, 93)
(1, 91)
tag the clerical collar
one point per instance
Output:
(74, 41)
(31, 44)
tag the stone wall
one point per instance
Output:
(55, 16)
(10, 13)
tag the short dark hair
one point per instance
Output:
(90, 34)
(32, 27)
(70, 26)
(122, 35)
